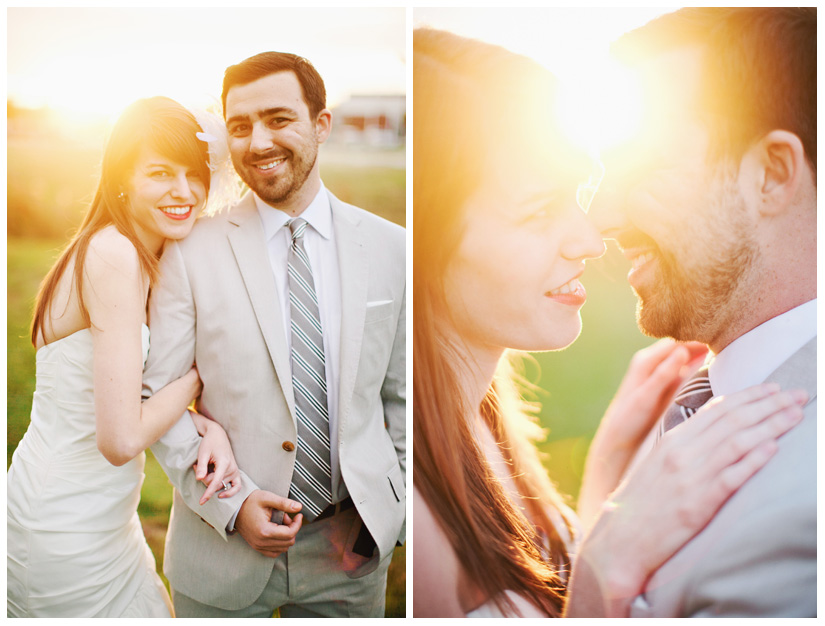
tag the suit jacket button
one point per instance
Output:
(288, 446)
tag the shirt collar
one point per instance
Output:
(318, 215)
(751, 358)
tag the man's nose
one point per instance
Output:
(261, 140)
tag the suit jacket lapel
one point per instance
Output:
(248, 246)
(353, 267)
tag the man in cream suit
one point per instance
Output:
(225, 301)
(715, 206)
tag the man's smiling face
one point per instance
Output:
(273, 138)
(677, 214)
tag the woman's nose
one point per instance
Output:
(584, 240)
(181, 189)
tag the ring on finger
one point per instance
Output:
(225, 486)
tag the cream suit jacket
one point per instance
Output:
(757, 557)
(216, 304)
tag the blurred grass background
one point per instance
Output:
(52, 176)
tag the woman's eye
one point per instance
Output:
(159, 174)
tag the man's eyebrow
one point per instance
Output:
(264, 113)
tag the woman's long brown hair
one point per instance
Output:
(168, 128)
(465, 92)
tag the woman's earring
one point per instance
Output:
(121, 196)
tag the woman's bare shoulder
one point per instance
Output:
(110, 250)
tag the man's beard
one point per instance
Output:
(698, 290)
(282, 188)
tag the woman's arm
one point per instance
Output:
(674, 493)
(653, 377)
(114, 292)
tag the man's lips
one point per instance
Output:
(638, 258)
(267, 165)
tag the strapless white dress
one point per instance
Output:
(75, 544)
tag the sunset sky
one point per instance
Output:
(95, 60)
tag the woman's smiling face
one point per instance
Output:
(164, 198)
(513, 279)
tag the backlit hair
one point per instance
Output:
(164, 126)
(466, 95)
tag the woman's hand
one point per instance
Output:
(216, 467)
(679, 487)
(653, 377)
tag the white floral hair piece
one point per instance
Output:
(225, 186)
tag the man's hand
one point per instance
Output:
(255, 525)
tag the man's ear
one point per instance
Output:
(323, 125)
(774, 168)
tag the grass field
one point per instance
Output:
(53, 205)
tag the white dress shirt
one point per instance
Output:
(319, 243)
(754, 356)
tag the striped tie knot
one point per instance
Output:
(297, 227)
(691, 397)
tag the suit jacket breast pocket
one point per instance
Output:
(378, 310)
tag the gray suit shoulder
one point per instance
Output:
(377, 230)
(371, 220)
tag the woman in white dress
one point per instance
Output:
(75, 544)
(499, 245)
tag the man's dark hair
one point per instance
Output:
(267, 63)
(759, 71)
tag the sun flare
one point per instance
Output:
(600, 104)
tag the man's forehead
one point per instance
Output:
(278, 90)
(672, 78)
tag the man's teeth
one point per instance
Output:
(269, 166)
(566, 288)
(176, 210)
(641, 259)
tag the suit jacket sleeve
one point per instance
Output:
(171, 355)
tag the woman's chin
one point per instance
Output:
(561, 338)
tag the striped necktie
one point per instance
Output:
(690, 399)
(311, 479)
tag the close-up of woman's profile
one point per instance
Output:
(700, 478)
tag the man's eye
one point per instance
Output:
(240, 129)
